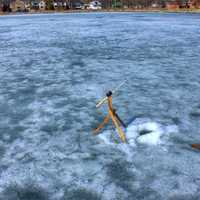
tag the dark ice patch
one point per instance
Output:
(13, 133)
(185, 197)
(144, 193)
(50, 128)
(2, 151)
(120, 174)
(77, 63)
(80, 194)
(195, 112)
(175, 171)
(26, 192)
(176, 120)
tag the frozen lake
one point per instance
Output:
(53, 70)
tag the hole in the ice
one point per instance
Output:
(80, 194)
(26, 192)
(144, 132)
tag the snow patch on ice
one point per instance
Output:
(143, 131)
(105, 137)
(146, 133)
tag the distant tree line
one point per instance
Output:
(132, 3)
(5, 5)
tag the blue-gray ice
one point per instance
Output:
(53, 70)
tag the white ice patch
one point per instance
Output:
(143, 131)
(146, 133)
(105, 137)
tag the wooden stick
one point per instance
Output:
(121, 134)
(105, 121)
(111, 113)
(195, 146)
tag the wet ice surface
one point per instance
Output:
(53, 69)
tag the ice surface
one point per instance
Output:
(53, 70)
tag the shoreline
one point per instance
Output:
(104, 10)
